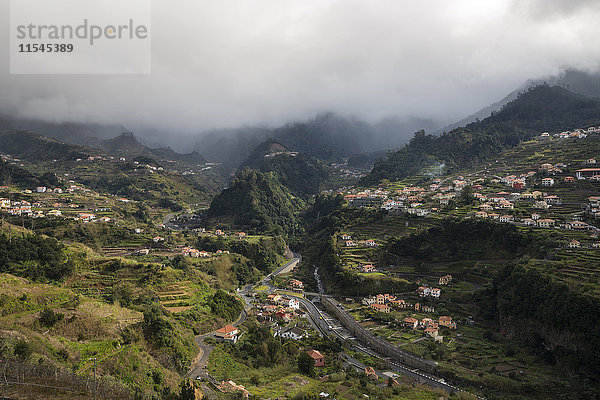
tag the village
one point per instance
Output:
(539, 196)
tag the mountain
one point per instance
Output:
(365, 160)
(582, 82)
(541, 108)
(36, 147)
(127, 145)
(85, 134)
(304, 176)
(108, 176)
(113, 139)
(258, 202)
(328, 137)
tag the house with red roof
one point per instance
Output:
(410, 322)
(317, 357)
(227, 333)
(384, 308)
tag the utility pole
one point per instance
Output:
(95, 387)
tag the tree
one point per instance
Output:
(187, 391)
(49, 318)
(306, 365)
(466, 196)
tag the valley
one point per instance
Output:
(460, 266)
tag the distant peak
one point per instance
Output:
(275, 147)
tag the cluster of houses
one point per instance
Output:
(28, 209)
(422, 200)
(348, 172)
(277, 307)
(426, 291)
(279, 153)
(535, 220)
(574, 134)
(221, 233)
(349, 242)
(384, 302)
(430, 326)
(296, 285)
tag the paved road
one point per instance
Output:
(266, 279)
(199, 367)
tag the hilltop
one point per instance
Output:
(327, 137)
(541, 108)
(304, 176)
(259, 202)
(127, 145)
(34, 147)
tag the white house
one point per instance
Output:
(547, 181)
(227, 334)
(291, 303)
(294, 333)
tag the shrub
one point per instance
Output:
(22, 349)
(49, 318)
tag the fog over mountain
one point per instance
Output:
(221, 65)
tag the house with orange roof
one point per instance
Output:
(295, 283)
(317, 357)
(545, 223)
(431, 331)
(371, 374)
(447, 322)
(384, 308)
(400, 303)
(410, 322)
(227, 333)
(368, 268)
(444, 280)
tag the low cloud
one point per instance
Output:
(228, 63)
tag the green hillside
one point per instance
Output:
(542, 108)
(302, 175)
(258, 202)
(17, 176)
(35, 147)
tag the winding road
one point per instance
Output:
(198, 368)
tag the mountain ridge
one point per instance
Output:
(541, 108)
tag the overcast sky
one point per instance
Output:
(223, 63)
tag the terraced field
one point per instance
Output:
(175, 297)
